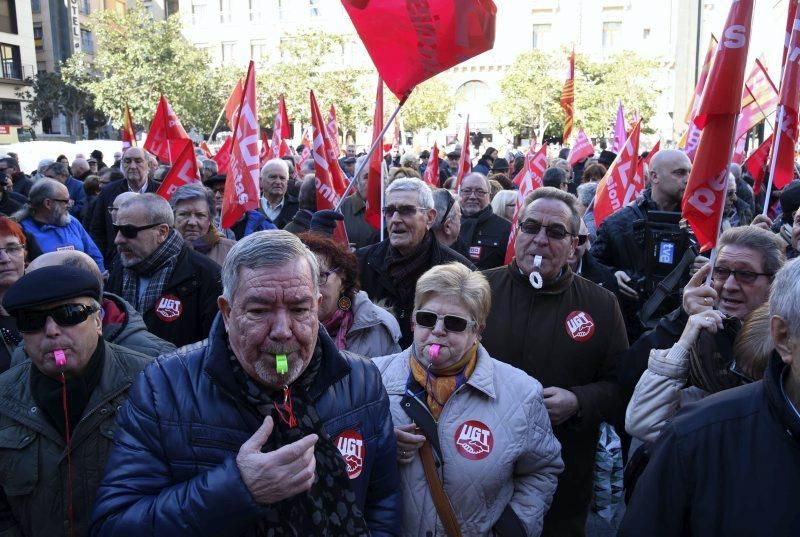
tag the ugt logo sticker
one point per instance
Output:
(580, 326)
(351, 446)
(168, 308)
(474, 440)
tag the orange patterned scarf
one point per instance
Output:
(440, 385)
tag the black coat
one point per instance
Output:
(290, 206)
(596, 272)
(727, 465)
(486, 237)
(196, 285)
(375, 280)
(99, 223)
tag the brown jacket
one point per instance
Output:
(569, 334)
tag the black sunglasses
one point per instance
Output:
(64, 315)
(130, 232)
(452, 323)
(553, 231)
(721, 274)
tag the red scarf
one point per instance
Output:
(340, 322)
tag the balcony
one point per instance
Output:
(17, 74)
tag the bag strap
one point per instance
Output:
(665, 287)
(443, 506)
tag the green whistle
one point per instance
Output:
(281, 364)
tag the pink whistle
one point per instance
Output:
(433, 351)
(60, 357)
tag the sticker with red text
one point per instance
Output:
(168, 308)
(580, 326)
(474, 440)
(351, 446)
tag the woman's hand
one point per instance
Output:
(407, 442)
(710, 320)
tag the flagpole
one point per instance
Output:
(219, 118)
(383, 220)
(375, 143)
(771, 126)
(776, 141)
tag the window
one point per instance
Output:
(227, 51)
(258, 49)
(611, 34)
(86, 8)
(36, 6)
(41, 67)
(87, 41)
(541, 35)
(10, 113)
(9, 59)
(38, 36)
(225, 11)
(313, 8)
(255, 10)
(199, 12)
(8, 16)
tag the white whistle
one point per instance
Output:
(535, 278)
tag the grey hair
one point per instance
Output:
(476, 174)
(273, 248)
(57, 168)
(44, 163)
(191, 192)
(275, 162)
(501, 199)
(441, 199)
(154, 206)
(410, 184)
(768, 244)
(211, 164)
(410, 160)
(784, 298)
(43, 189)
(586, 192)
(548, 192)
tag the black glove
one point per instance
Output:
(324, 222)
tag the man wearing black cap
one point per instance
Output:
(58, 408)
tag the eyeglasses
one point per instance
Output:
(13, 249)
(323, 276)
(721, 274)
(452, 323)
(404, 210)
(553, 231)
(744, 377)
(65, 315)
(130, 232)
(467, 192)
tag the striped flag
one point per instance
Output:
(568, 98)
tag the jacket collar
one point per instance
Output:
(555, 287)
(481, 216)
(776, 399)
(366, 315)
(334, 366)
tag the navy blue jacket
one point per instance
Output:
(172, 470)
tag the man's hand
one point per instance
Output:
(622, 279)
(280, 474)
(697, 296)
(407, 442)
(708, 320)
(763, 221)
(561, 404)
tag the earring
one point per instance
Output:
(344, 303)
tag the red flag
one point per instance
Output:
(183, 172)
(704, 197)
(464, 164)
(333, 132)
(528, 179)
(223, 156)
(280, 132)
(327, 195)
(165, 128)
(756, 164)
(790, 16)
(233, 104)
(128, 134)
(759, 100)
(643, 165)
(582, 149)
(306, 154)
(619, 187)
(410, 42)
(691, 137)
(432, 169)
(265, 153)
(373, 212)
(568, 98)
(242, 186)
(205, 149)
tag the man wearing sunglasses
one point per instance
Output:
(389, 270)
(46, 218)
(58, 421)
(568, 334)
(484, 233)
(172, 286)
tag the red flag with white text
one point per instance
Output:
(643, 165)
(582, 149)
(374, 211)
(619, 187)
(327, 196)
(183, 171)
(691, 137)
(280, 133)
(242, 185)
(528, 179)
(432, 169)
(165, 129)
(464, 163)
(704, 197)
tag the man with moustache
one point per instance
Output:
(263, 429)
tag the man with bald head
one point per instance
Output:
(81, 169)
(618, 244)
(135, 171)
(484, 233)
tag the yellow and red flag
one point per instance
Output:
(568, 98)
(128, 134)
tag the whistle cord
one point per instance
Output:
(68, 439)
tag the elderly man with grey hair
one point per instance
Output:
(738, 448)
(172, 286)
(60, 172)
(359, 232)
(484, 233)
(276, 203)
(390, 269)
(193, 207)
(264, 429)
(447, 225)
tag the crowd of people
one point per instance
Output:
(160, 375)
